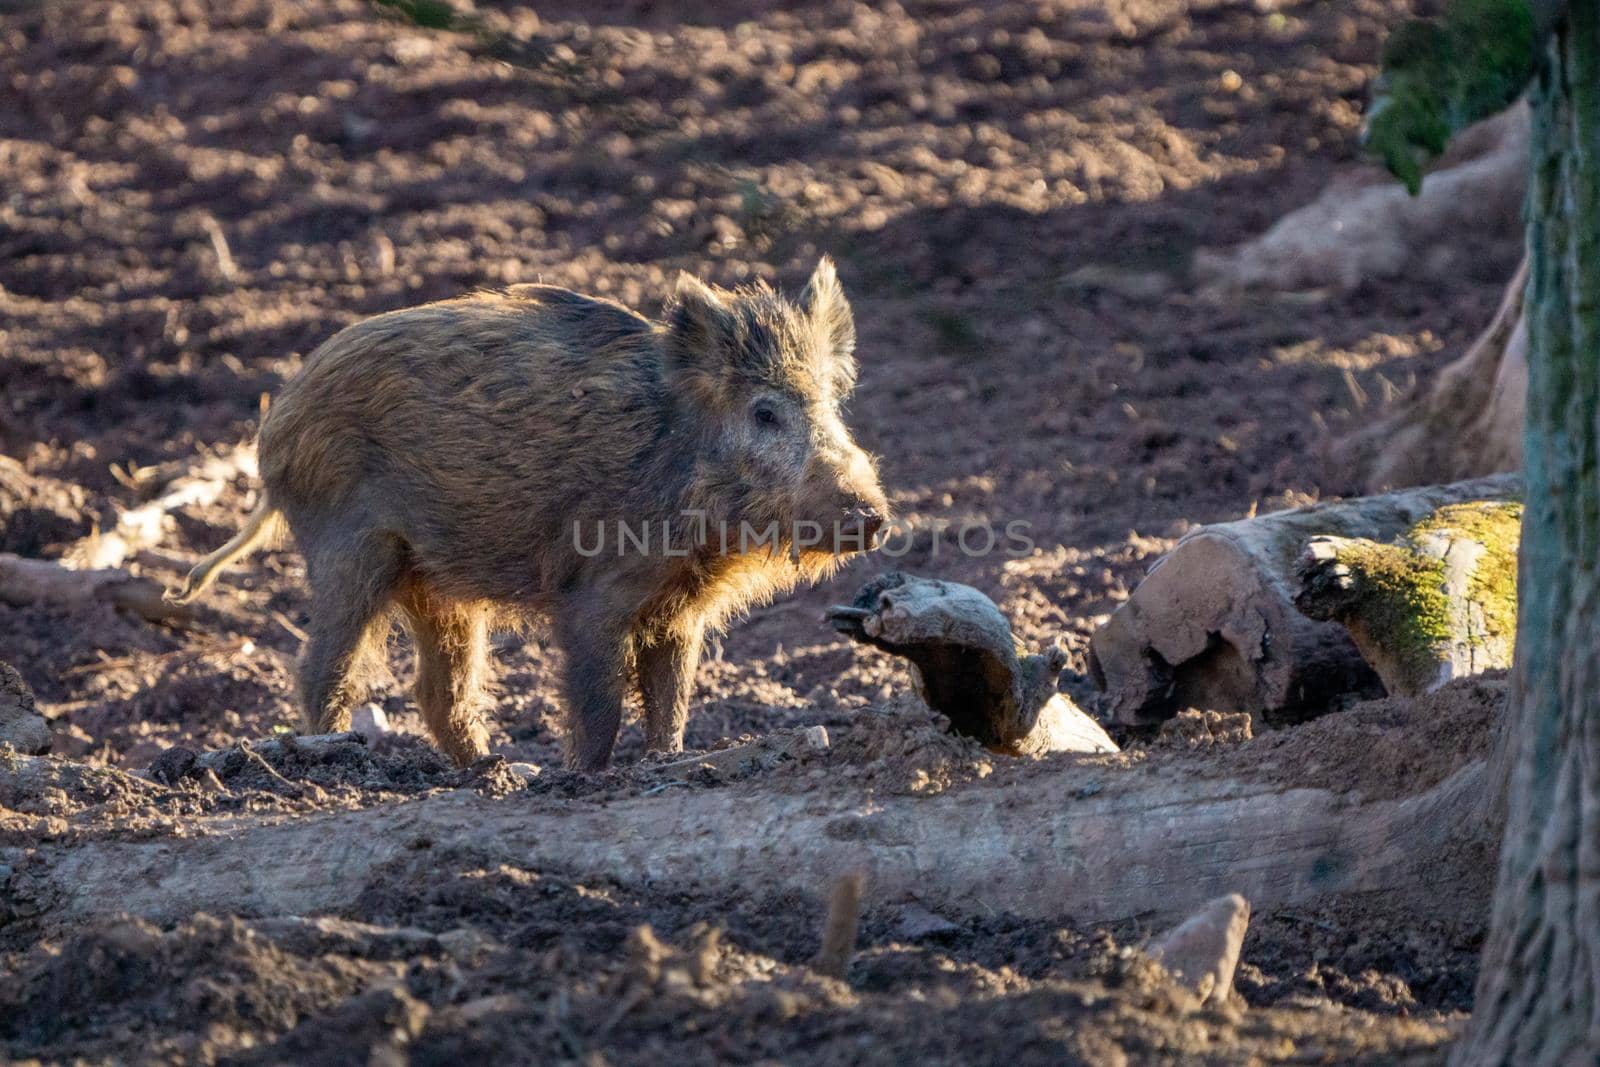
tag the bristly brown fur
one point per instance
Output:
(444, 462)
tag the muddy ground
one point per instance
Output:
(978, 171)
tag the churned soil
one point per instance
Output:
(196, 194)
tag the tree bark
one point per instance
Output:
(1145, 844)
(1538, 997)
(1214, 624)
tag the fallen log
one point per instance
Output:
(1439, 603)
(967, 665)
(39, 581)
(1214, 625)
(1145, 844)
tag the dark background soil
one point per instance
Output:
(964, 163)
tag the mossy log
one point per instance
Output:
(1438, 603)
(1214, 623)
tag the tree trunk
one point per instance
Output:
(1214, 624)
(1538, 998)
(1141, 844)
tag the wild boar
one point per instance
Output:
(534, 451)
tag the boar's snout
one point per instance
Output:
(860, 512)
(843, 504)
(869, 517)
(863, 519)
(862, 509)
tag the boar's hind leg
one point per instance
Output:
(452, 668)
(666, 681)
(599, 650)
(350, 590)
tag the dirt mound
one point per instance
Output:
(530, 966)
(208, 985)
(589, 977)
(1380, 748)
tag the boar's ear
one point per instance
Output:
(823, 302)
(700, 324)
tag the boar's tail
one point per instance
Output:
(266, 524)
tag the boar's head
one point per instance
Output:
(762, 379)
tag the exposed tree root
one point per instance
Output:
(1464, 423)
(1368, 227)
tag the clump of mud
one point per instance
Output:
(208, 984)
(900, 747)
(1197, 728)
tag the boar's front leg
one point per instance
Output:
(666, 681)
(599, 651)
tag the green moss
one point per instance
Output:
(1406, 611)
(1440, 76)
(1497, 526)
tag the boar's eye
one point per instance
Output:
(766, 416)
